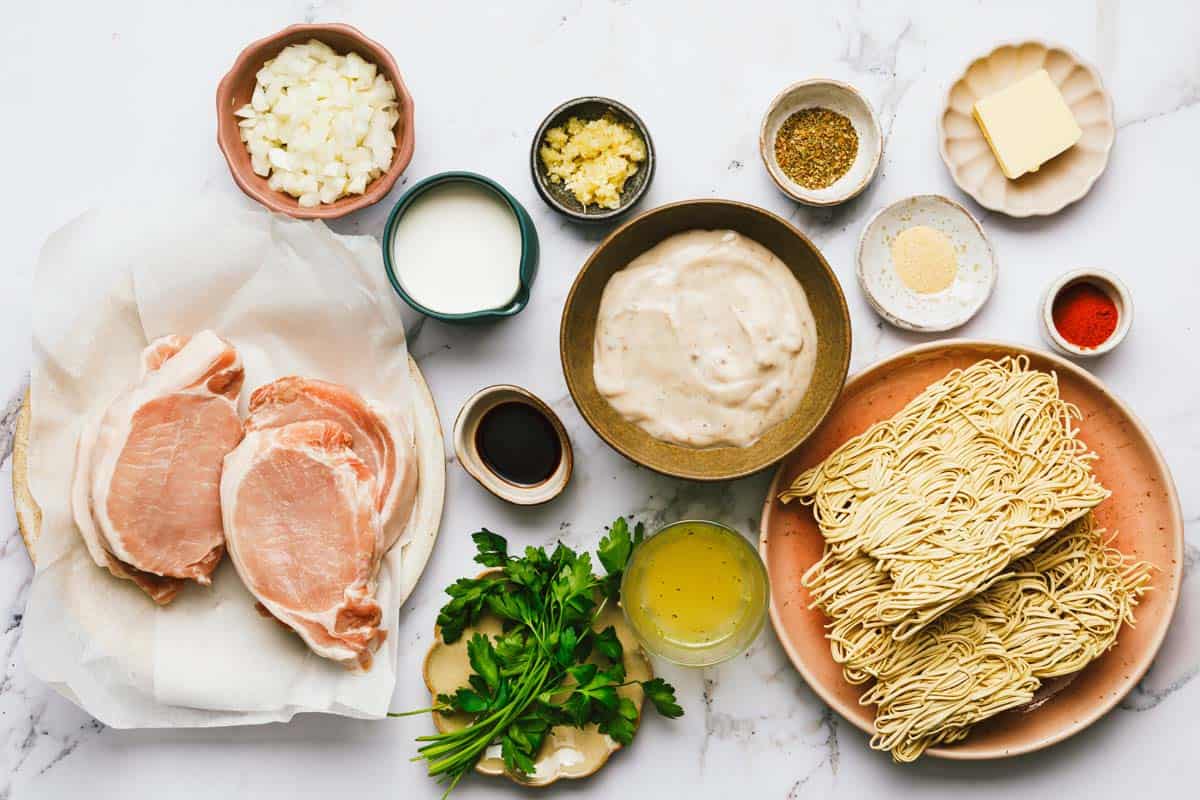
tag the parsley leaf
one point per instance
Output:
(616, 547)
(493, 549)
(614, 552)
(466, 700)
(467, 599)
(609, 645)
(621, 726)
(567, 642)
(523, 739)
(662, 695)
(483, 660)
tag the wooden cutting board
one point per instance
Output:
(29, 516)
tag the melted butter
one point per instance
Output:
(705, 340)
(694, 585)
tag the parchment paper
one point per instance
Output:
(295, 299)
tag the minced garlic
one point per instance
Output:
(593, 159)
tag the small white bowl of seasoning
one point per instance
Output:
(820, 142)
(458, 247)
(514, 445)
(925, 264)
(1086, 313)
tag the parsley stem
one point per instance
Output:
(464, 747)
(443, 709)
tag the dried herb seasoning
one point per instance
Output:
(815, 147)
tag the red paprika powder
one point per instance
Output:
(1084, 315)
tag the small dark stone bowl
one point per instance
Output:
(556, 195)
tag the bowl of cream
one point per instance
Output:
(458, 247)
(705, 339)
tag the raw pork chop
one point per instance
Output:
(384, 445)
(146, 493)
(304, 534)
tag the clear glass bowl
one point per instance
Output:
(693, 570)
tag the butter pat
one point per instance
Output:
(1027, 124)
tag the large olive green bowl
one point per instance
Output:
(638, 235)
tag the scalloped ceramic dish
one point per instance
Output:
(1143, 513)
(567, 752)
(1060, 181)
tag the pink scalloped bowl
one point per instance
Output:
(238, 84)
(1062, 180)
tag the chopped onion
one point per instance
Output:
(319, 125)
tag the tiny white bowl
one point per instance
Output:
(466, 425)
(1107, 282)
(897, 304)
(835, 96)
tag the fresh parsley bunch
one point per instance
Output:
(538, 673)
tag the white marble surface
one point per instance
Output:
(102, 98)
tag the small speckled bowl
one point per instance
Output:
(1112, 286)
(237, 86)
(835, 96)
(466, 425)
(940, 311)
(561, 200)
(529, 247)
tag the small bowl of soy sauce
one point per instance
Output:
(510, 441)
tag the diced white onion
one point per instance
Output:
(319, 125)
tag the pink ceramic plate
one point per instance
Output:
(1143, 510)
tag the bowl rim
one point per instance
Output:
(842, 309)
(1107, 282)
(899, 322)
(627, 204)
(949, 752)
(750, 635)
(515, 493)
(376, 189)
(800, 194)
(1050, 209)
(529, 246)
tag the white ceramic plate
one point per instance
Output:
(939, 311)
(1060, 181)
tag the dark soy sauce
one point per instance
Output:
(518, 443)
